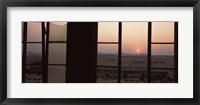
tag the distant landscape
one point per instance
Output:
(134, 68)
(34, 70)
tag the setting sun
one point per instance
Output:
(137, 51)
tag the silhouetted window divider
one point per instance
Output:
(47, 52)
(119, 51)
(57, 42)
(176, 52)
(32, 42)
(149, 53)
(162, 42)
(44, 70)
(155, 68)
(24, 51)
(108, 43)
(66, 59)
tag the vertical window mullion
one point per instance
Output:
(24, 51)
(66, 57)
(176, 52)
(47, 52)
(44, 70)
(119, 51)
(149, 53)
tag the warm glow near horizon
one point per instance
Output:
(134, 37)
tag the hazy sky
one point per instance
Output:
(34, 35)
(34, 32)
(134, 36)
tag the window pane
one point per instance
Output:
(56, 74)
(33, 74)
(163, 49)
(34, 32)
(162, 76)
(163, 56)
(107, 55)
(58, 31)
(106, 74)
(108, 31)
(34, 54)
(107, 61)
(162, 31)
(134, 68)
(57, 53)
(134, 52)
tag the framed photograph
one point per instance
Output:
(99, 52)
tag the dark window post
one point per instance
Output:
(95, 39)
(44, 67)
(149, 53)
(119, 51)
(45, 76)
(24, 51)
(81, 38)
(176, 52)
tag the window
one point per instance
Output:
(33, 47)
(107, 58)
(44, 52)
(56, 52)
(134, 52)
(101, 52)
(144, 52)
(163, 49)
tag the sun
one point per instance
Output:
(137, 50)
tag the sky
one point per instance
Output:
(134, 37)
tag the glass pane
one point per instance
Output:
(107, 61)
(108, 31)
(58, 31)
(134, 52)
(163, 56)
(162, 31)
(162, 76)
(57, 53)
(106, 74)
(33, 74)
(34, 32)
(34, 54)
(56, 74)
(107, 55)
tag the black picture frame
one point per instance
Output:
(98, 3)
